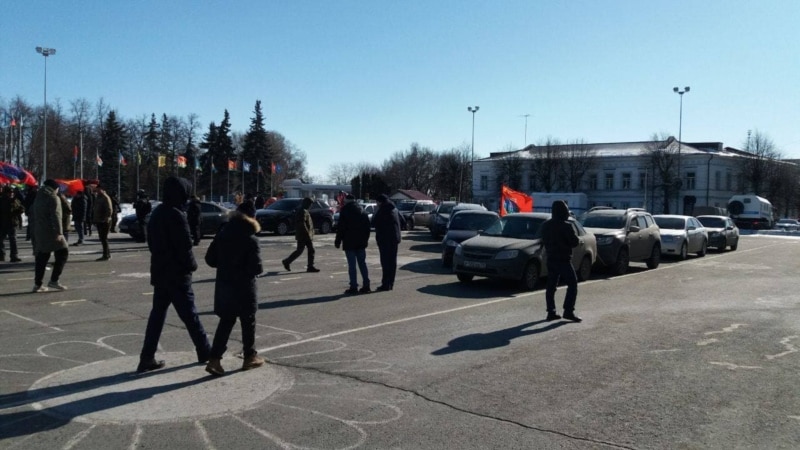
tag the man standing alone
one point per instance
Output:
(353, 233)
(101, 215)
(48, 237)
(386, 222)
(304, 234)
(559, 238)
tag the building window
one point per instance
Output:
(718, 180)
(690, 180)
(642, 180)
(532, 183)
(593, 182)
(626, 205)
(626, 180)
(728, 181)
(484, 182)
(609, 181)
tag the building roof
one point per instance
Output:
(410, 194)
(610, 149)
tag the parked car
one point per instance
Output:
(368, 208)
(463, 225)
(511, 248)
(437, 224)
(213, 217)
(624, 235)
(279, 217)
(681, 235)
(787, 225)
(415, 212)
(722, 232)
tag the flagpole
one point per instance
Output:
(119, 172)
(229, 181)
(211, 180)
(158, 176)
(81, 130)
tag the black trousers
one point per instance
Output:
(388, 256)
(11, 233)
(102, 232)
(561, 271)
(223, 333)
(306, 244)
(41, 264)
(194, 229)
(181, 296)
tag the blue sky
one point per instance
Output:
(352, 81)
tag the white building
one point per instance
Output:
(622, 176)
(295, 188)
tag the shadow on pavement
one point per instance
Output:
(299, 301)
(495, 339)
(430, 248)
(476, 290)
(432, 266)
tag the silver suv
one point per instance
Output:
(624, 235)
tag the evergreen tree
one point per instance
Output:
(210, 161)
(113, 143)
(165, 139)
(256, 150)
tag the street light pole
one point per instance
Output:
(473, 110)
(680, 138)
(526, 129)
(44, 51)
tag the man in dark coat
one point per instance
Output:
(102, 213)
(142, 208)
(353, 234)
(304, 235)
(11, 211)
(235, 254)
(386, 222)
(171, 265)
(87, 224)
(79, 207)
(27, 202)
(559, 238)
(193, 214)
(48, 237)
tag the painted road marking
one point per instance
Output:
(31, 320)
(65, 302)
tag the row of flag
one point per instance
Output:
(182, 163)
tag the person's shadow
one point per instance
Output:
(499, 338)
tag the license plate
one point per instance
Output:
(475, 264)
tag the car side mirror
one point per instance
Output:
(729, 227)
(691, 228)
(634, 229)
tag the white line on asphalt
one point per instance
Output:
(20, 279)
(62, 303)
(31, 320)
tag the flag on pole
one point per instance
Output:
(99, 161)
(162, 161)
(272, 167)
(197, 165)
(122, 160)
(75, 154)
(245, 166)
(277, 168)
(138, 158)
(512, 201)
(11, 174)
(231, 165)
(13, 122)
(182, 162)
(213, 168)
(258, 167)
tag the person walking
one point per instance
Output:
(11, 210)
(48, 237)
(142, 207)
(386, 222)
(79, 215)
(87, 221)
(66, 215)
(101, 215)
(193, 214)
(115, 210)
(352, 234)
(171, 265)
(559, 238)
(235, 253)
(27, 202)
(304, 235)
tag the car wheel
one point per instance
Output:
(465, 278)
(447, 262)
(620, 266)
(734, 246)
(684, 252)
(655, 258)
(325, 228)
(703, 249)
(282, 228)
(585, 269)
(530, 276)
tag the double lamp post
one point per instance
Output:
(45, 51)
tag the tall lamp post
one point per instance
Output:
(526, 128)
(680, 129)
(44, 51)
(473, 110)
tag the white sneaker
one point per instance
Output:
(37, 288)
(56, 286)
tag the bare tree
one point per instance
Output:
(662, 153)
(761, 163)
(412, 169)
(546, 164)
(509, 168)
(577, 159)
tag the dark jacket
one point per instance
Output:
(558, 235)
(11, 211)
(353, 229)
(304, 226)
(386, 221)
(236, 255)
(102, 208)
(79, 207)
(89, 206)
(193, 213)
(168, 238)
(47, 225)
(142, 207)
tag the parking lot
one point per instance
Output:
(701, 353)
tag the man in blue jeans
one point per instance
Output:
(171, 265)
(353, 234)
(559, 238)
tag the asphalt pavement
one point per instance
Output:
(701, 353)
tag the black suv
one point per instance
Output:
(279, 217)
(624, 235)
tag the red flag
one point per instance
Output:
(272, 166)
(70, 187)
(75, 153)
(182, 162)
(13, 122)
(231, 165)
(512, 201)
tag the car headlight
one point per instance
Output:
(459, 249)
(507, 254)
(451, 243)
(605, 240)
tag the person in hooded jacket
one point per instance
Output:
(353, 233)
(304, 235)
(194, 216)
(143, 208)
(386, 221)
(559, 238)
(235, 254)
(171, 265)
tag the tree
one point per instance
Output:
(509, 169)
(453, 175)
(662, 153)
(412, 169)
(114, 141)
(546, 165)
(578, 158)
(762, 162)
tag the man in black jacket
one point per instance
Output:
(142, 208)
(559, 238)
(353, 232)
(171, 265)
(194, 216)
(386, 222)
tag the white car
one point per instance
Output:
(681, 235)
(787, 225)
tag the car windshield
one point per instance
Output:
(517, 227)
(604, 221)
(671, 223)
(712, 222)
(284, 205)
(406, 206)
(445, 208)
(473, 222)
